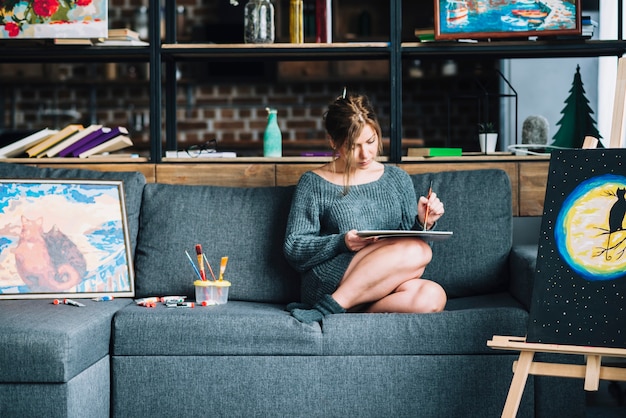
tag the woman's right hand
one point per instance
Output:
(355, 242)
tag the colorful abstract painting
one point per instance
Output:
(455, 19)
(27, 19)
(59, 238)
(579, 294)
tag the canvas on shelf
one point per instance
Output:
(481, 19)
(31, 19)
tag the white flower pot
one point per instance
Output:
(488, 142)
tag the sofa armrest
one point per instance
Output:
(523, 263)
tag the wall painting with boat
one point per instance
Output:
(480, 19)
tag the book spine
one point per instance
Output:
(321, 31)
(99, 140)
(329, 21)
(113, 144)
(21, 145)
(68, 151)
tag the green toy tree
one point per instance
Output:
(576, 122)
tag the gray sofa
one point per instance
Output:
(250, 358)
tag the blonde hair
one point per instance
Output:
(344, 121)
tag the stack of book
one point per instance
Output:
(122, 37)
(72, 141)
(434, 152)
(115, 37)
(425, 34)
(588, 26)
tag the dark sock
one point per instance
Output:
(308, 316)
(297, 305)
(325, 306)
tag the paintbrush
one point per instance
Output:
(193, 265)
(223, 263)
(200, 261)
(430, 192)
(209, 266)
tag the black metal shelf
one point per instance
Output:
(313, 52)
(73, 53)
(515, 49)
(394, 51)
(277, 52)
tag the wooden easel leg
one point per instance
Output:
(592, 372)
(517, 385)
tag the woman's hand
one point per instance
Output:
(435, 210)
(355, 242)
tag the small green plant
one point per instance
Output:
(486, 128)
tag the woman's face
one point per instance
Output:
(365, 148)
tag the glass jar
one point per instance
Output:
(258, 22)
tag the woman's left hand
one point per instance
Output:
(433, 205)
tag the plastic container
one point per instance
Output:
(272, 137)
(211, 292)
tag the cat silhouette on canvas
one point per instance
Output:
(616, 223)
(617, 212)
(48, 261)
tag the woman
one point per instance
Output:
(342, 271)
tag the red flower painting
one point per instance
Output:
(16, 16)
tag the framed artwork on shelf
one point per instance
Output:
(482, 19)
(63, 238)
(53, 19)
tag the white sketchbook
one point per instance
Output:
(426, 235)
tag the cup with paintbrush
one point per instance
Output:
(211, 292)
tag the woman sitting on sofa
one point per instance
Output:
(342, 271)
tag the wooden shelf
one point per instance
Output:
(279, 51)
(86, 161)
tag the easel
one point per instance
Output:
(593, 370)
(617, 133)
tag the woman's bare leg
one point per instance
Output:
(382, 270)
(413, 296)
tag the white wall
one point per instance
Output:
(542, 86)
(607, 69)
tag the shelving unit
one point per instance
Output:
(163, 83)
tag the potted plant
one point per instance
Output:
(487, 137)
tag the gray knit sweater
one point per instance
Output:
(321, 215)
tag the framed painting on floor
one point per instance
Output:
(63, 238)
(579, 294)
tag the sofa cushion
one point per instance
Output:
(236, 328)
(478, 209)
(250, 328)
(245, 224)
(462, 328)
(42, 342)
(133, 186)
